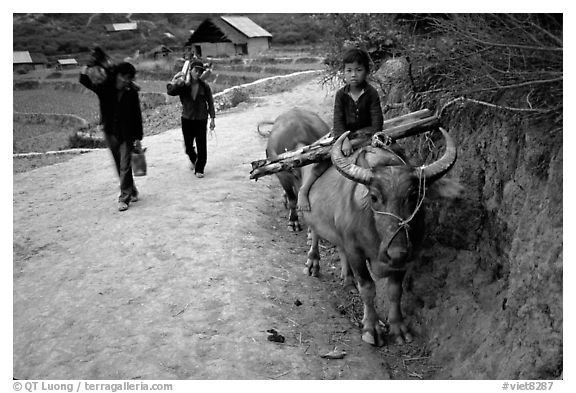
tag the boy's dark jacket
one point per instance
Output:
(121, 118)
(197, 109)
(352, 116)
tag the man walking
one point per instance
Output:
(122, 120)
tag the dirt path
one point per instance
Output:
(185, 283)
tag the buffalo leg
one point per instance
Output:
(398, 328)
(346, 273)
(372, 332)
(290, 200)
(285, 201)
(293, 221)
(313, 263)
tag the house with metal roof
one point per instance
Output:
(66, 64)
(130, 26)
(26, 61)
(228, 36)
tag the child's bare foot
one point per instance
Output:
(303, 208)
(303, 203)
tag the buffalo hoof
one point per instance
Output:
(312, 268)
(295, 226)
(400, 333)
(309, 239)
(374, 336)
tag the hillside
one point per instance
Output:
(75, 34)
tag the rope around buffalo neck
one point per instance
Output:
(403, 224)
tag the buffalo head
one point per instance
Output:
(394, 192)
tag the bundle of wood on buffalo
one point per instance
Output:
(396, 128)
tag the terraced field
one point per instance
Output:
(39, 137)
(46, 100)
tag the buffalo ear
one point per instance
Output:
(446, 188)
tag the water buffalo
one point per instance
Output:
(369, 206)
(291, 130)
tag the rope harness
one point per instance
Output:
(384, 142)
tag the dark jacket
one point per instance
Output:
(352, 116)
(197, 109)
(120, 113)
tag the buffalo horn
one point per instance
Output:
(438, 168)
(346, 167)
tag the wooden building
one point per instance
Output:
(64, 64)
(159, 52)
(25, 61)
(228, 36)
(116, 27)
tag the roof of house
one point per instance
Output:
(237, 29)
(246, 26)
(22, 57)
(67, 62)
(25, 57)
(122, 26)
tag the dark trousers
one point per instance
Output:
(195, 130)
(122, 154)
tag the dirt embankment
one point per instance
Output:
(487, 292)
(504, 287)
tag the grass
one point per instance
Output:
(48, 100)
(39, 137)
(29, 137)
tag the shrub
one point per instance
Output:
(232, 99)
(83, 140)
(307, 60)
(238, 96)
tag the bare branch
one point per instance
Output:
(520, 73)
(517, 85)
(525, 47)
(516, 23)
(528, 98)
(523, 84)
(508, 108)
(469, 54)
(490, 77)
(552, 36)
